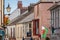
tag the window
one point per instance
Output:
(26, 28)
(6, 32)
(13, 32)
(18, 32)
(29, 33)
(59, 17)
(52, 20)
(29, 25)
(30, 28)
(55, 18)
(36, 27)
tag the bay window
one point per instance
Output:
(55, 18)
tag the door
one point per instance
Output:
(0, 37)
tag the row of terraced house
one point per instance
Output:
(25, 23)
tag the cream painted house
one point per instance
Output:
(23, 24)
(27, 26)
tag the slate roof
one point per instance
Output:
(55, 5)
(23, 9)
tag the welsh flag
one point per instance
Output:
(44, 32)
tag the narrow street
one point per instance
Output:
(29, 19)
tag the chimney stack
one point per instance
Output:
(19, 4)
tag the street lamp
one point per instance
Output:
(8, 8)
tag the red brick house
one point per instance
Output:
(42, 18)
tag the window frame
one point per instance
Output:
(34, 27)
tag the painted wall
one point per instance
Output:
(1, 11)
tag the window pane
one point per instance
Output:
(14, 32)
(29, 25)
(26, 28)
(30, 30)
(59, 17)
(52, 15)
(56, 20)
(37, 31)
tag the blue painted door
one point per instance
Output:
(2, 33)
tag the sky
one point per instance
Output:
(13, 4)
